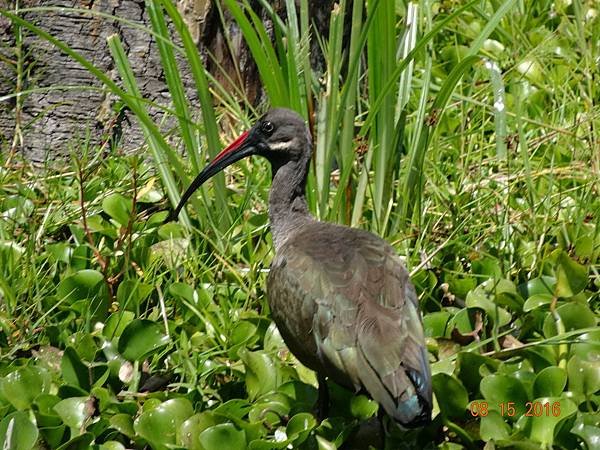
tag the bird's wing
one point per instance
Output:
(363, 314)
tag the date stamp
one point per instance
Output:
(510, 409)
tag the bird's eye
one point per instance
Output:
(267, 128)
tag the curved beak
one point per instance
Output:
(240, 148)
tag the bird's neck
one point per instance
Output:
(287, 202)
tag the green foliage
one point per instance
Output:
(473, 152)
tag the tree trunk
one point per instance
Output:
(68, 106)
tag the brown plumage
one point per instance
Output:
(340, 296)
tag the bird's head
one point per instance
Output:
(280, 136)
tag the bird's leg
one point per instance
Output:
(323, 400)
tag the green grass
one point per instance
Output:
(468, 138)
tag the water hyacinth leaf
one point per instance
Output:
(501, 389)
(140, 338)
(123, 423)
(159, 425)
(584, 375)
(183, 291)
(550, 382)
(280, 441)
(118, 208)
(273, 339)
(488, 266)
(324, 444)
(469, 365)
(543, 285)
(46, 416)
(224, 435)
(451, 395)
(493, 427)
(188, 432)
(574, 316)
(112, 445)
(304, 396)
(21, 387)
(544, 420)
(537, 300)
(74, 371)
(81, 286)
(436, 324)
(463, 321)
(75, 411)
(261, 373)
(233, 409)
(17, 432)
(243, 334)
(299, 427)
(81, 442)
(116, 323)
(587, 427)
(131, 293)
(270, 408)
(363, 407)
(482, 297)
(588, 345)
(571, 277)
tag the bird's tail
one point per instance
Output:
(393, 366)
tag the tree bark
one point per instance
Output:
(68, 106)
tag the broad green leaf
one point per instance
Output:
(545, 419)
(243, 334)
(21, 387)
(436, 324)
(81, 286)
(75, 411)
(46, 416)
(537, 300)
(493, 427)
(469, 369)
(550, 382)
(587, 427)
(81, 442)
(233, 409)
(17, 432)
(538, 286)
(159, 425)
(451, 395)
(140, 338)
(573, 315)
(270, 408)
(131, 293)
(483, 297)
(501, 389)
(363, 407)
(118, 208)
(584, 374)
(299, 427)
(224, 435)
(571, 277)
(304, 395)
(116, 323)
(112, 445)
(123, 423)
(74, 371)
(261, 373)
(588, 345)
(188, 432)
(324, 444)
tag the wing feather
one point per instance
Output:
(345, 306)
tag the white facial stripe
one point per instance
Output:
(281, 145)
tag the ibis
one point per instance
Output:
(340, 297)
